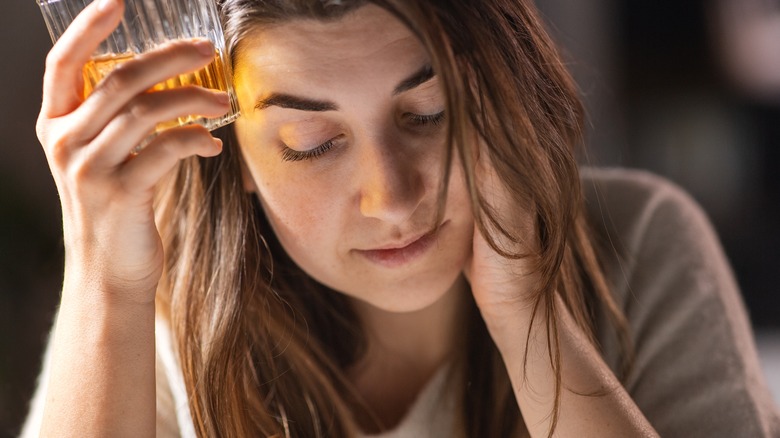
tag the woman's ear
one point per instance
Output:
(247, 180)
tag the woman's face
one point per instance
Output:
(343, 135)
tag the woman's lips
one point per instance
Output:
(394, 257)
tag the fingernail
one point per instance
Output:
(205, 47)
(218, 143)
(106, 5)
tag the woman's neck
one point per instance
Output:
(404, 351)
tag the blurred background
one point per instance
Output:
(689, 90)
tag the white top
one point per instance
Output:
(430, 415)
(696, 371)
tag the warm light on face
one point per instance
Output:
(343, 133)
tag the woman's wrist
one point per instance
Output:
(509, 323)
(96, 280)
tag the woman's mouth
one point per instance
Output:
(395, 255)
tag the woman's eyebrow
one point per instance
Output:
(282, 100)
(295, 102)
(419, 77)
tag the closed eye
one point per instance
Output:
(428, 119)
(289, 154)
(292, 155)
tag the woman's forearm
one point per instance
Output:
(102, 376)
(102, 380)
(593, 403)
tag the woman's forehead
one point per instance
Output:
(366, 38)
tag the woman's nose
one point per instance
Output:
(393, 185)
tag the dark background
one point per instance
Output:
(659, 99)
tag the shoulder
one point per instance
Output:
(696, 370)
(634, 205)
(173, 414)
(660, 253)
(647, 225)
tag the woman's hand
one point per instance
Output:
(111, 241)
(101, 370)
(592, 401)
(502, 286)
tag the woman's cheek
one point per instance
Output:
(299, 211)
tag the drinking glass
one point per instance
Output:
(147, 24)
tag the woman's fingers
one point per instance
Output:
(136, 76)
(139, 118)
(107, 198)
(63, 81)
(142, 172)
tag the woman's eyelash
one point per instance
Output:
(289, 154)
(431, 119)
(293, 155)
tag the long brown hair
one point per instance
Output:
(263, 346)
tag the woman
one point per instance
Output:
(392, 240)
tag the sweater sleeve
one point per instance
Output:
(695, 371)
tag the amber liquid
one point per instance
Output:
(211, 76)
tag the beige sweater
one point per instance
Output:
(696, 372)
